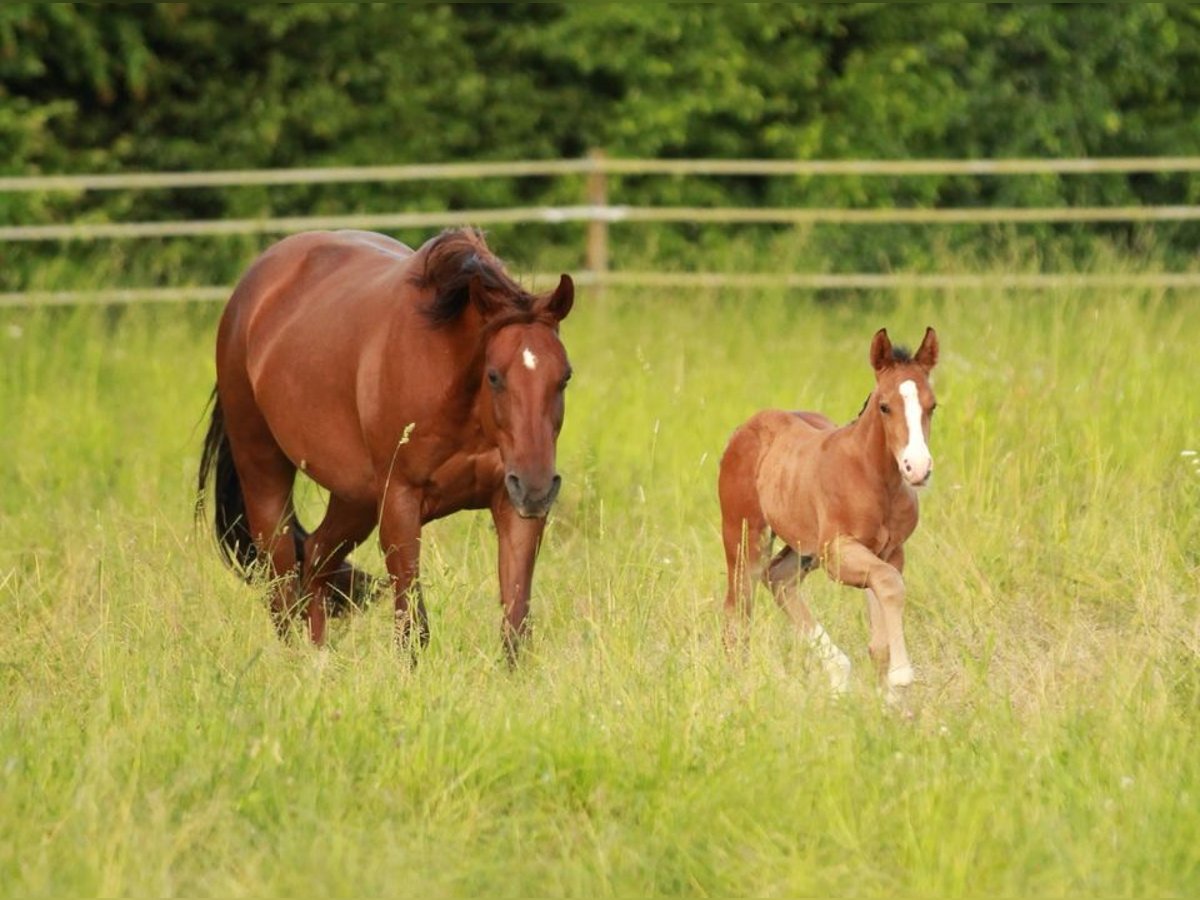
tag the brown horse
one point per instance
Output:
(411, 385)
(844, 498)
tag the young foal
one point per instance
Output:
(843, 498)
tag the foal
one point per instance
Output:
(844, 498)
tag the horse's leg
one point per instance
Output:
(784, 576)
(746, 542)
(343, 528)
(878, 644)
(400, 538)
(743, 531)
(849, 562)
(266, 476)
(519, 540)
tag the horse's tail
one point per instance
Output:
(229, 506)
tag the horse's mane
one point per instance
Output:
(452, 260)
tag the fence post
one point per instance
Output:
(597, 232)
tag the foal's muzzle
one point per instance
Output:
(532, 501)
(917, 472)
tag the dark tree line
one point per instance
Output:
(178, 86)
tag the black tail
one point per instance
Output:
(229, 507)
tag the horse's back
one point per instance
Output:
(306, 336)
(753, 440)
(766, 461)
(765, 427)
(293, 270)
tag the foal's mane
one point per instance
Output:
(900, 354)
(452, 260)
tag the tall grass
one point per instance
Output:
(156, 738)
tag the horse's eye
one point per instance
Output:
(495, 379)
(566, 379)
(884, 408)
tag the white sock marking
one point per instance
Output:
(901, 677)
(529, 359)
(836, 663)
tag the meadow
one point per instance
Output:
(157, 739)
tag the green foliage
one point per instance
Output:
(108, 87)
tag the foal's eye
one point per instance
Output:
(566, 379)
(495, 379)
(884, 408)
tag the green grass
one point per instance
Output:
(156, 739)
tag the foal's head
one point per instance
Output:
(905, 402)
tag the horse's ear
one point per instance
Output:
(927, 355)
(881, 350)
(481, 298)
(562, 299)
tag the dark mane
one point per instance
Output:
(452, 260)
(900, 354)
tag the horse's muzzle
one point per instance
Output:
(530, 500)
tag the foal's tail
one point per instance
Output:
(229, 506)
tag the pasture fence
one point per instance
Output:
(599, 214)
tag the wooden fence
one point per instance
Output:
(600, 214)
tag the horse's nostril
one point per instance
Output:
(557, 482)
(513, 483)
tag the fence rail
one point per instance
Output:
(606, 214)
(599, 214)
(688, 280)
(597, 163)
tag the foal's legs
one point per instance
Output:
(745, 547)
(743, 529)
(784, 576)
(344, 527)
(849, 562)
(878, 644)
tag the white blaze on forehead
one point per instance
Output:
(529, 358)
(916, 457)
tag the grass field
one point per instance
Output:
(156, 738)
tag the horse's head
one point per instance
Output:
(905, 402)
(525, 372)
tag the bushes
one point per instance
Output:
(193, 87)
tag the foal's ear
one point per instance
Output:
(563, 298)
(927, 355)
(881, 350)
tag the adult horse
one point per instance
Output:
(843, 498)
(411, 385)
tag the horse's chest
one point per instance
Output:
(465, 481)
(896, 527)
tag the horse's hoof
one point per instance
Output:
(901, 676)
(352, 590)
(839, 669)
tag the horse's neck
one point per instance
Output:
(866, 438)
